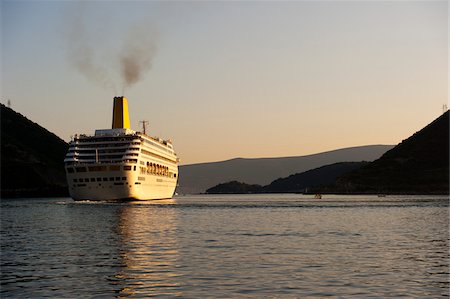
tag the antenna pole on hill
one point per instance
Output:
(144, 125)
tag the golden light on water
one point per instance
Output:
(149, 249)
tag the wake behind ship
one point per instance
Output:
(120, 163)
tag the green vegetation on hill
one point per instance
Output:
(418, 165)
(32, 158)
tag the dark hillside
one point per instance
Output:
(31, 158)
(319, 177)
(418, 165)
(322, 176)
(234, 187)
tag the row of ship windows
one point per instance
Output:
(121, 183)
(106, 179)
(157, 169)
(99, 179)
(151, 168)
(100, 168)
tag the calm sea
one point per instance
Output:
(259, 246)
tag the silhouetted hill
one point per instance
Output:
(418, 165)
(322, 176)
(299, 182)
(234, 187)
(196, 178)
(31, 158)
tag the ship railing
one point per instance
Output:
(157, 139)
(106, 133)
(93, 147)
(76, 142)
(70, 162)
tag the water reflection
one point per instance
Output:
(148, 250)
(198, 247)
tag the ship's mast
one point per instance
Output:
(144, 125)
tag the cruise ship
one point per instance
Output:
(119, 163)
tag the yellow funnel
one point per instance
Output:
(121, 120)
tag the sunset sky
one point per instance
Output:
(231, 79)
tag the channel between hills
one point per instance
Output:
(197, 178)
(417, 165)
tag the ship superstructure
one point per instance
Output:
(120, 163)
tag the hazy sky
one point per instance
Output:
(231, 79)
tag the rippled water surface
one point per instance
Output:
(258, 246)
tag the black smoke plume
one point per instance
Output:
(137, 54)
(130, 63)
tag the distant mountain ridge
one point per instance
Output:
(296, 183)
(196, 178)
(32, 158)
